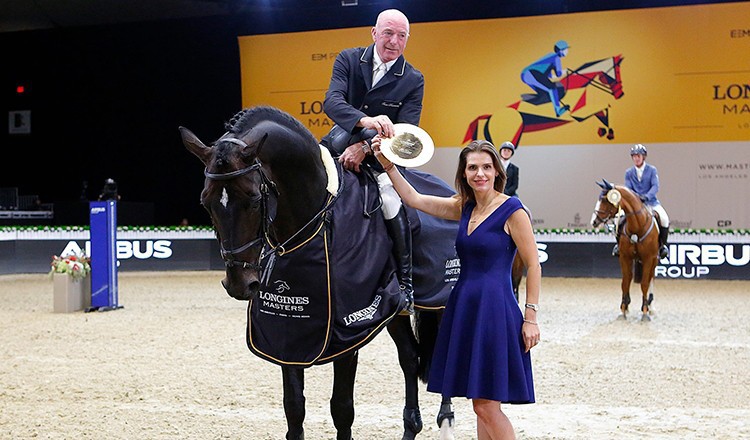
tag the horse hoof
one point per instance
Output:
(622, 318)
(601, 132)
(645, 317)
(611, 134)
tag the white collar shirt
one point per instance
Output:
(639, 171)
(379, 68)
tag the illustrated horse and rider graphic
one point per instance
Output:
(559, 98)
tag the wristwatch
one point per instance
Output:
(534, 307)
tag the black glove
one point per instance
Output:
(338, 139)
(644, 198)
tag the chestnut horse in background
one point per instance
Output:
(638, 239)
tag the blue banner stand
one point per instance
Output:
(103, 236)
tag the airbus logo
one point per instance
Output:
(139, 249)
(694, 261)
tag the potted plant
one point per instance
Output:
(71, 282)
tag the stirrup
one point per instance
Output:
(663, 252)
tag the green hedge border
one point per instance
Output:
(44, 228)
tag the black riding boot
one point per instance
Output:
(400, 232)
(616, 249)
(663, 248)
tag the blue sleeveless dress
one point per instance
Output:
(479, 351)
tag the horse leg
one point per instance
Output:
(342, 398)
(294, 401)
(627, 277)
(446, 419)
(406, 345)
(646, 285)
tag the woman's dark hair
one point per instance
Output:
(462, 186)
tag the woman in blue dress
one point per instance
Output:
(484, 341)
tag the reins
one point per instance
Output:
(638, 238)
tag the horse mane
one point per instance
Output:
(247, 118)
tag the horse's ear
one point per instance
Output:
(194, 145)
(601, 185)
(607, 185)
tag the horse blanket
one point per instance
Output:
(338, 290)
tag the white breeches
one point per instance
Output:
(663, 217)
(391, 200)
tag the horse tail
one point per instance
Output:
(637, 271)
(425, 329)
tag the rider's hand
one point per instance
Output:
(643, 197)
(353, 156)
(382, 124)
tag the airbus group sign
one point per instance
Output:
(697, 260)
(686, 260)
(126, 249)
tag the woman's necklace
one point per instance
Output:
(480, 214)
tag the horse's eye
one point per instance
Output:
(255, 201)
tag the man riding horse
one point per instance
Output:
(643, 180)
(372, 88)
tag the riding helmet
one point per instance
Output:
(509, 145)
(638, 149)
(561, 45)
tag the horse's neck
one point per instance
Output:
(301, 196)
(635, 210)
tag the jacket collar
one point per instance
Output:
(365, 61)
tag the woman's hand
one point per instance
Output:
(387, 164)
(530, 333)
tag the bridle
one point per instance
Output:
(267, 187)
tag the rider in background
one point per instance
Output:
(543, 74)
(507, 149)
(643, 180)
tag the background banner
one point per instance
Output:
(676, 79)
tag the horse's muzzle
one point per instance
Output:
(241, 286)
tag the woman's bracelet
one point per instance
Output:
(388, 167)
(366, 147)
(530, 322)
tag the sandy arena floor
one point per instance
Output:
(172, 364)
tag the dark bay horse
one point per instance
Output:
(309, 252)
(638, 239)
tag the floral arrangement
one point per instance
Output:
(77, 266)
